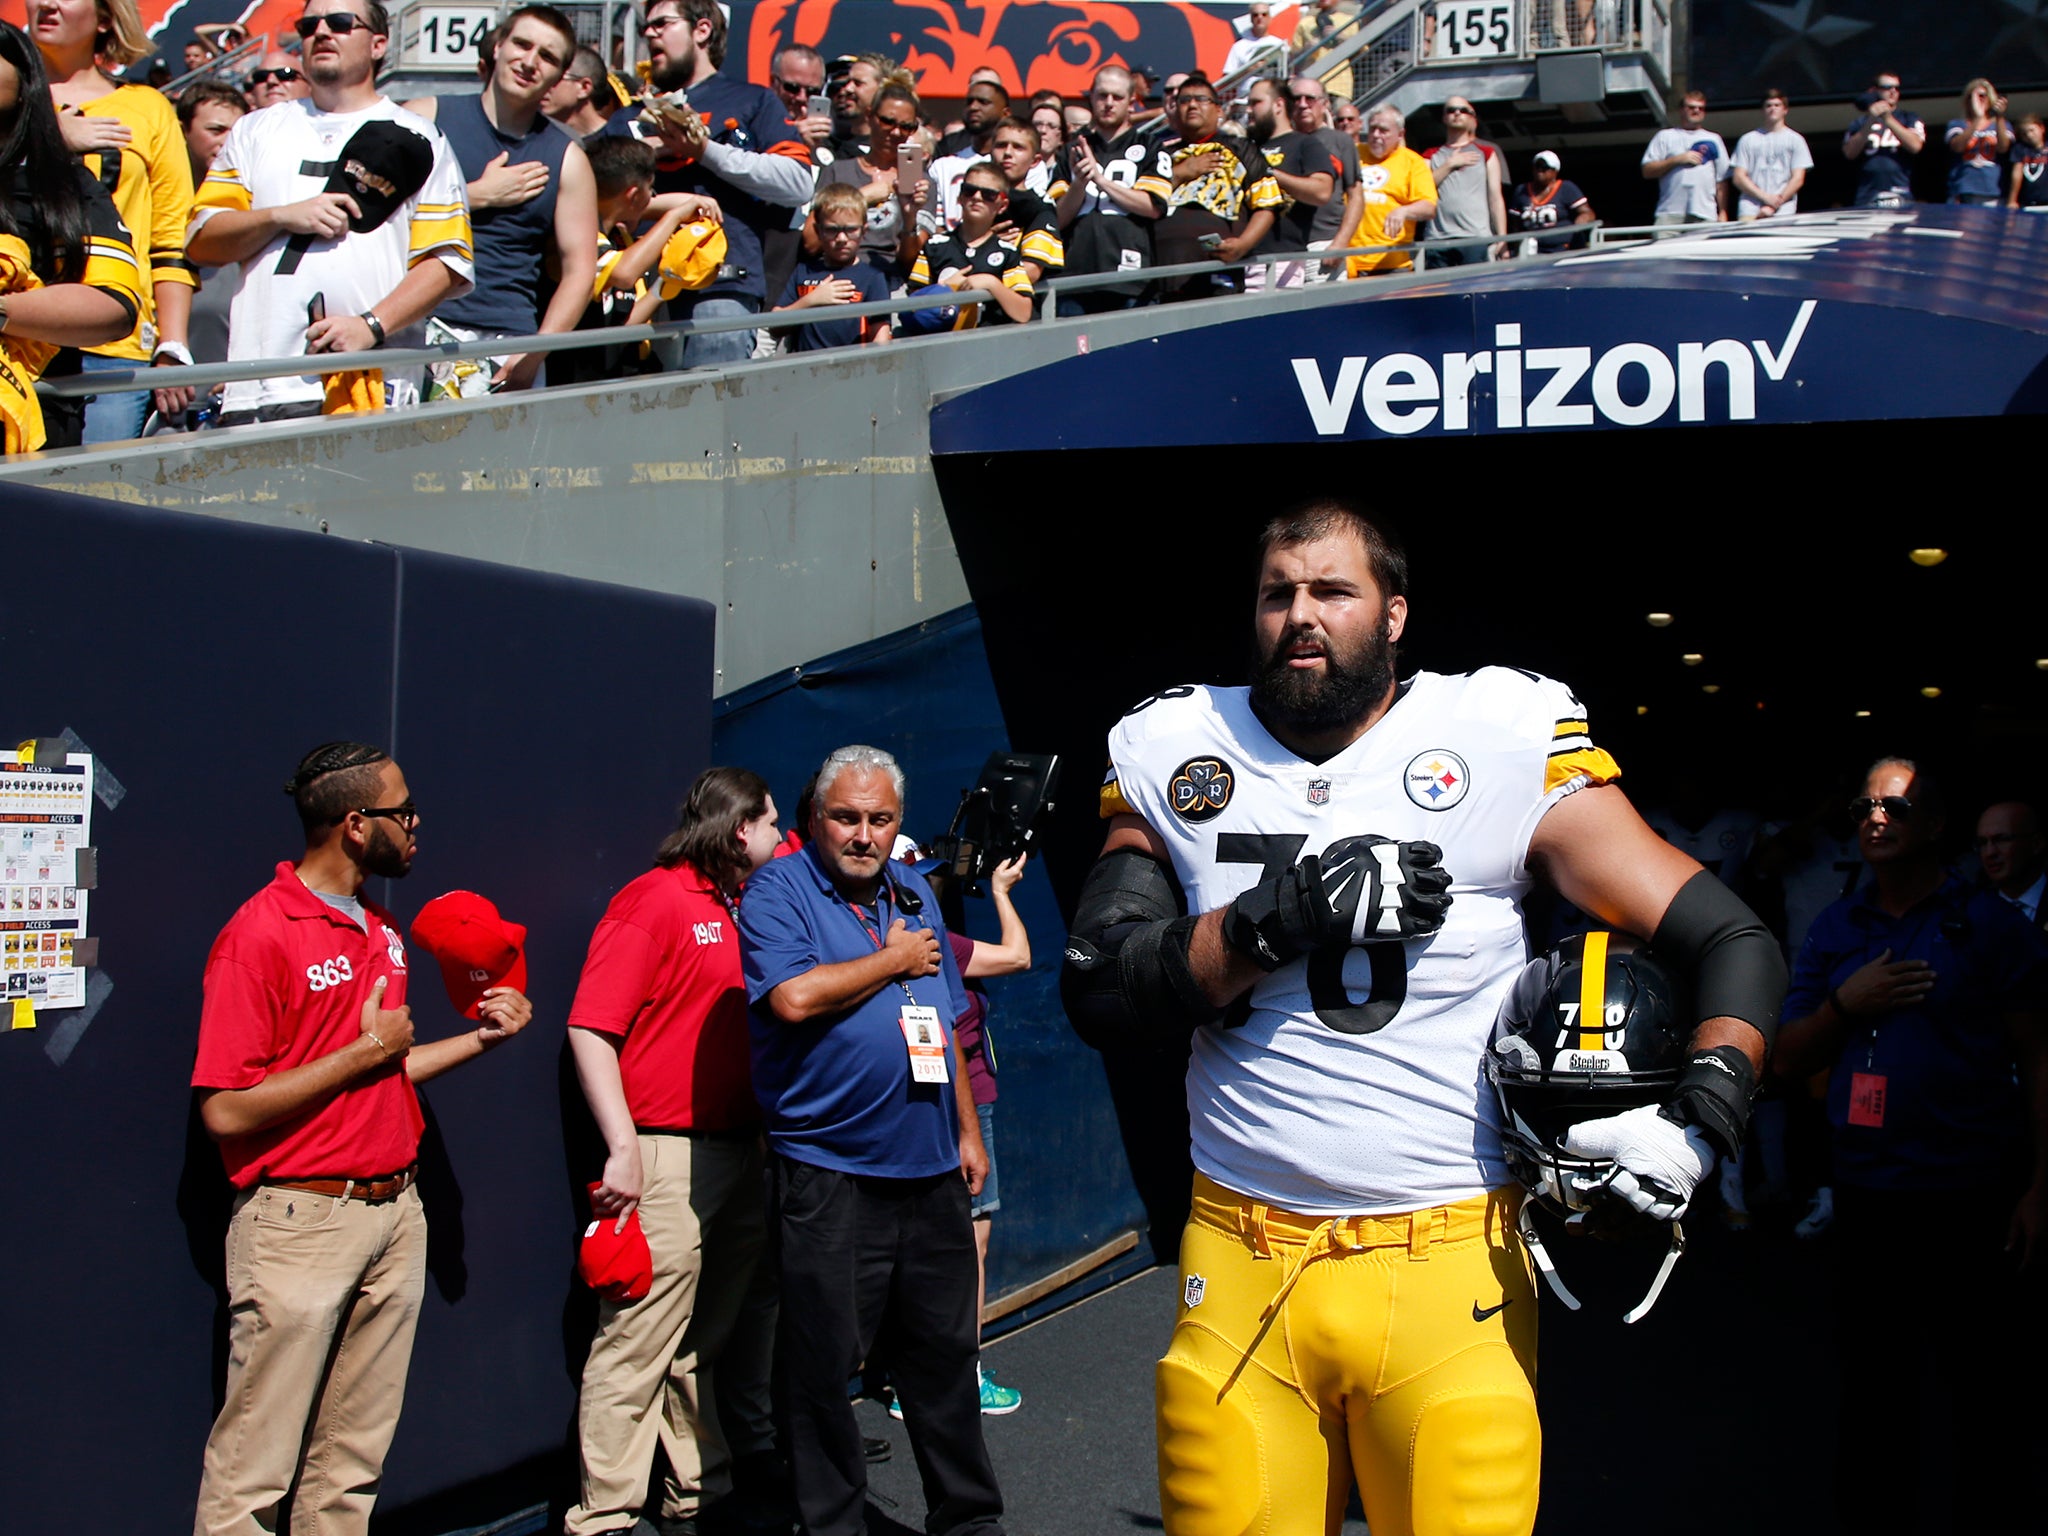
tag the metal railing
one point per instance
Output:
(1390, 40)
(390, 359)
(224, 67)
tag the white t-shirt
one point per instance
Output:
(945, 174)
(1247, 51)
(1356, 1084)
(1688, 189)
(1769, 159)
(284, 154)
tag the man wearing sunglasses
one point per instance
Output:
(1925, 1000)
(309, 253)
(734, 145)
(306, 1076)
(1469, 196)
(582, 101)
(277, 78)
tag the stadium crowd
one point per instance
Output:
(560, 198)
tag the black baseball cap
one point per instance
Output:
(381, 166)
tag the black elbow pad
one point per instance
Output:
(1737, 969)
(1125, 979)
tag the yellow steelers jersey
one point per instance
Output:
(150, 181)
(1355, 1086)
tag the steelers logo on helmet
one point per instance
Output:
(1200, 788)
(1590, 1029)
(1436, 780)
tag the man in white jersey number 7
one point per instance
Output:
(1320, 877)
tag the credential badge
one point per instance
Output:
(1195, 1289)
(1436, 780)
(1318, 791)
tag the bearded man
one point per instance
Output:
(727, 140)
(1318, 881)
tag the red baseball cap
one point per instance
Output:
(615, 1263)
(477, 949)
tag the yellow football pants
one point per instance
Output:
(1397, 1349)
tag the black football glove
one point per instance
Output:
(1384, 889)
(1360, 890)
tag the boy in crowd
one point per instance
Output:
(836, 275)
(623, 170)
(973, 257)
(1013, 149)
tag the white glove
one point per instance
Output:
(1657, 1163)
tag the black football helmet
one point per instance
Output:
(1591, 1029)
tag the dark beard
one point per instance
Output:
(1311, 704)
(382, 855)
(674, 75)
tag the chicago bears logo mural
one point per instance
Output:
(1200, 788)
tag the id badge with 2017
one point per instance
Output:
(926, 1038)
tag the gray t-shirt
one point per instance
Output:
(1461, 196)
(1330, 217)
(350, 907)
(1689, 189)
(1769, 159)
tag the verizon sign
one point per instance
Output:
(1515, 387)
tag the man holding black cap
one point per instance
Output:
(732, 142)
(306, 1076)
(346, 213)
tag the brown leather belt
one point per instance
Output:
(370, 1191)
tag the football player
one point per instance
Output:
(1320, 878)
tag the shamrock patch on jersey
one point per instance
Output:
(1200, 788)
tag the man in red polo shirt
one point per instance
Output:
(659, 1033)
(306, 1074)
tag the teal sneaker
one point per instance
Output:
(995, 1398)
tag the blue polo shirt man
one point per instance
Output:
(1925, 1000)
(852, 990)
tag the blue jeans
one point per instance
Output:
(720, 349)
(113, 418)
(990, 1200)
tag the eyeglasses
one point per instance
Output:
(1197, 100)
(281, 76)
(980, 194)
(406, 815)
(655, 24)
(1457, 112)
(340, 23)
(1892, 87)
(1995, 840)
(1895, 807)
(897, 124)
(838, 231)
(791, 88)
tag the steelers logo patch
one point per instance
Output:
(1436, 780)
(1200, 788)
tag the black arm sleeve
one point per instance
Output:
(1125, 979)
(1737, 969)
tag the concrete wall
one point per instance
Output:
(796, 495)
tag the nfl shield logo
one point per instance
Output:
(1318, 791)
(1196, 1288)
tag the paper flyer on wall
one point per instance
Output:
(45, 822)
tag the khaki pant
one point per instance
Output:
(648, 1379)
(324, 1296)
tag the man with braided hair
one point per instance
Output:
(1319, 880)
(306, 1076)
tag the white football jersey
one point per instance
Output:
(1356, 1084)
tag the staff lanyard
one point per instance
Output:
(874, 937)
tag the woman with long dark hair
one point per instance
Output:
(659, 1036)
(68, 277)
(128, 133)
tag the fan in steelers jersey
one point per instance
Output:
(1319, 878)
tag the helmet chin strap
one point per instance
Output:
(1525, 1223)
(1641, 1309)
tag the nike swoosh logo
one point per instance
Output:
(1480, 1315)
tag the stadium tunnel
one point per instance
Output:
(1783, 445)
